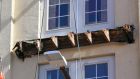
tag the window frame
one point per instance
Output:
(98, 26)
(75, 66)
(59, 16)
(43, 70)
(44, 4)
(79, 16)
(111, 65)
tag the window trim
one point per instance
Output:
(58, 15)
(98, 26)
(81, 65)
(79, 13)
(54, 32)
(111, 64)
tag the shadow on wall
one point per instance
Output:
(5, 23)
(25, 10)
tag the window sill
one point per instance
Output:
(58, 29)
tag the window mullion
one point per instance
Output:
(96, 11)
(96, 71)
(59, 15)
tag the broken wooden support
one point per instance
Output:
(71, 38)
(106, 34)
(89, 36)
(84, 39)
(122, 34)
(55, 41)
(65, 73)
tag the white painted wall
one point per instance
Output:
(127, 64)
(5, 30)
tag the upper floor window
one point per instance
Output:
(95, 11)
(62, 16)
(59, 14)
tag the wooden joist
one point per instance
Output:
(89, 36)
(122, 34)
(106, 34)
(71, 38)
(55, 41)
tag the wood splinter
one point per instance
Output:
(89, 36)
(71, 38)
(106, 33)
(55, 41)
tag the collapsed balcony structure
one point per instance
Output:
(28, 48)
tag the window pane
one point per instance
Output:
(90, 18)
(64, 1)
(64, 21)
(52, 2)
(90, 71)
(102, 70)
(103, 78)
(90, 5)
(64, 9)
(53, 23)
(102, 16)
(52, 74)
(61, 76)
(101, 4)
(53, 11)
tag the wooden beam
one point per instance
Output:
(89, 36)
(14, 49)
(55, 41)
(106, 33)
(39, 44)
(71, 38)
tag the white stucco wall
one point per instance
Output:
(126, 55)
(5, 30)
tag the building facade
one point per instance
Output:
(25, 20)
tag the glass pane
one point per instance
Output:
(102, 70)
(64, 1)
(64, 21)
(103, 78)
(52, 2)
(53, 23)
(90, 5)
(102, 16)
(90, 71)
(64, 9)
(53, 11)
(90, 18)
(52, 74)
(101, 4)
(61, 76)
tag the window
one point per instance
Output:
(59, 13)
(55, 74)
(95, 11)
(95, 68)
(90, 15)
(96, 71)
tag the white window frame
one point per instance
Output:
(76, 66)
(96, 26)
(60, 31)
(79, 16)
